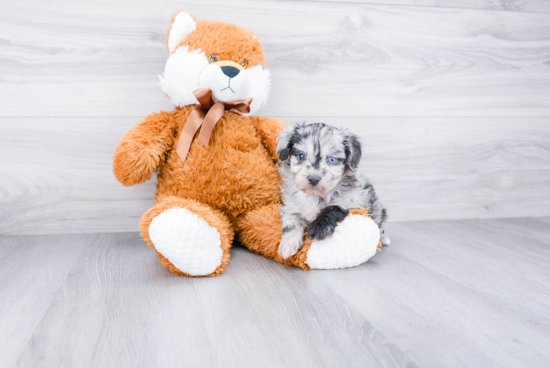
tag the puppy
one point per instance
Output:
(318, 164)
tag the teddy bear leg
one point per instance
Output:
(190, 238)
(355, 240)
(260, 231)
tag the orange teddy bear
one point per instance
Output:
(224, 180)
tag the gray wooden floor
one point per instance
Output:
(471, 293)
(451, 100)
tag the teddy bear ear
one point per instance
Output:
(182, 24)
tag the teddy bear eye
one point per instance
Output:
(244, 63)
(213, 58)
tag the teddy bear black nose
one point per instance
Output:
(230, 71)
(313, 179)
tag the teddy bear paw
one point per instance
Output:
(187, 241)
(354, 241)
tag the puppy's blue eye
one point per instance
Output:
(301, 157)
(332, 160)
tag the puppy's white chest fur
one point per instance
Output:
(296, 201)
(308, 206)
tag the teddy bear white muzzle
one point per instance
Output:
(186, 71)
(228, 82)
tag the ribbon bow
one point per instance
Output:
(206, 115)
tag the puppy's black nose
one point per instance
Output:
(230, 71)
(313, 179)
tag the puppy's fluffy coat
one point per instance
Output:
(318, 164)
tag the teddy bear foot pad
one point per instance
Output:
(354, 241)
(187, 241)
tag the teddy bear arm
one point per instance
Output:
(139, 152)
(269, 129)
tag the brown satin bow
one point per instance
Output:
(206, 114)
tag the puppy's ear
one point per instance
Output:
(352, 148)
(284, 142)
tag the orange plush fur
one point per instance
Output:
(233, 184)
(227, 40)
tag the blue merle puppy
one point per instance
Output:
(318, 164)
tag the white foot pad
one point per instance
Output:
(189, 242)
(354, 241)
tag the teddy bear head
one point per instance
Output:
(221, 56)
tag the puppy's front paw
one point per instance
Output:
(325, 224)
(290, 245)
(319, 230)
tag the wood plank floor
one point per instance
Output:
(448, 293)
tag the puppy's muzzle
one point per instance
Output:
(313, 180)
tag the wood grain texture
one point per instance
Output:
(66, 58)
(536, 6)
(32, 271)
(454, 294)
(121, 308)
(430, 88)
(471, 291)
(56, 174)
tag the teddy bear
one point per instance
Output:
(216, 160)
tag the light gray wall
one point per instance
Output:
(452, 100)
